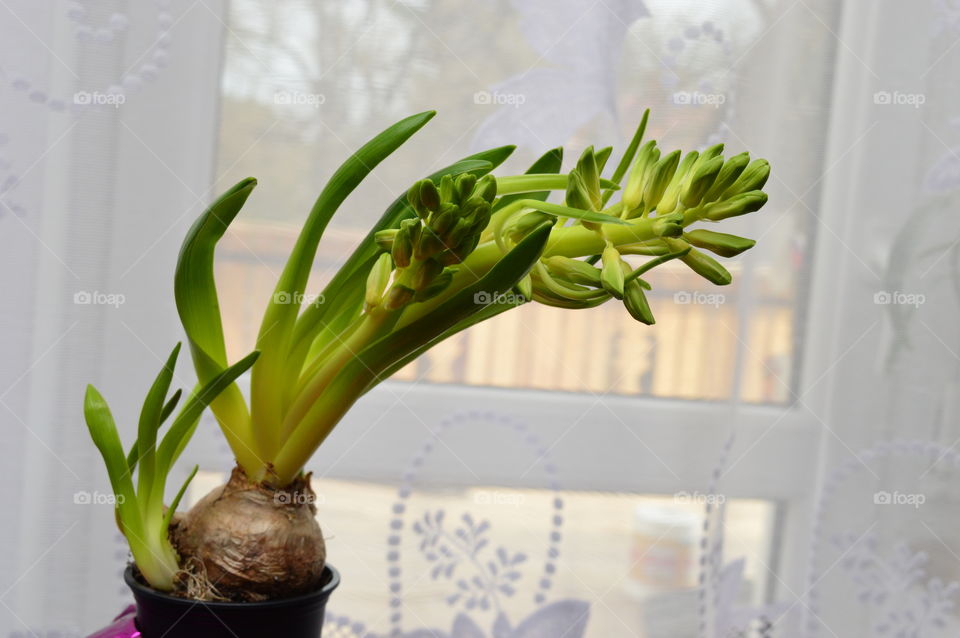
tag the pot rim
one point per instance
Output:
(146, 590)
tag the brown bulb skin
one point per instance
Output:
(254, 542)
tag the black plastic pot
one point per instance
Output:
(162, 616)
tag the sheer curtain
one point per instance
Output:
(737, 470)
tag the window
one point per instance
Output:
(304, 84)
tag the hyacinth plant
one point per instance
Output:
(459, 247)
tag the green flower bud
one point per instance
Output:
(611, 275)
(718, 243)
(480, 218)
(415, 228)
(635, 301)
(429, 195)
(705, 266)
(445, 219)
(714, 151)
(487, 188)
(658, 179)
(671, 196)
(423, 197)
(446, 188)
(737, 205)
(429, 244)
(704, 173)
(573, 270)
(466, 246)
(465, 184)
(461, 229)
(472, 206)
(578, 195)
(426, 272)
(402, 249)
(587, 167)
(413, 198)
(435, 287)
(377, 281)
(670, 225)
(731, 170)
(398, 297)
(633, 191)
(752, 179)
(384, 238)
(526, 223)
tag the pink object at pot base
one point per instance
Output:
(123, 626)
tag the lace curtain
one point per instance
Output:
(788, 474)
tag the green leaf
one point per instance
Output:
(133, 456)
(103, 431)
(194, 286)
(168, 516)
(276, 330)
(628, 155)
(170, 406)
(195, 291)
(185, 423)
(487, 312)
(150, 418)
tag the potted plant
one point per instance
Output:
(459, 247)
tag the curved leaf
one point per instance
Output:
(195, 291)
(276, 330)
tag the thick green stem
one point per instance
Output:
(371, 327)
(324, 414)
